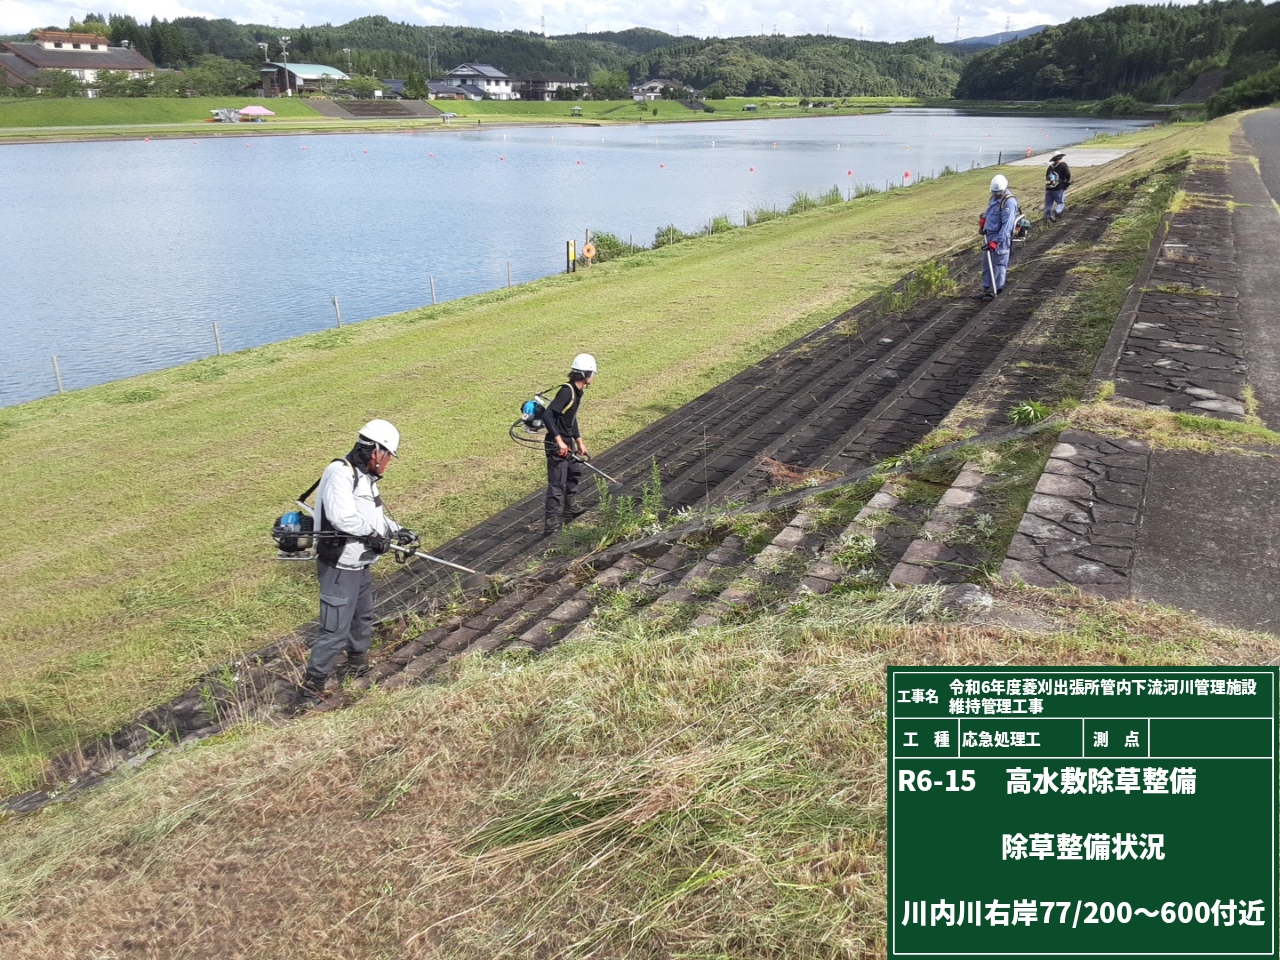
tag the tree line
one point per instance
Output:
(1148, 52)
(377, 46)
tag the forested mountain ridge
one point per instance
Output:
(1148, 52)
(822, 66)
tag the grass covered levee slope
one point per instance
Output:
(637, 793)
(144, 557)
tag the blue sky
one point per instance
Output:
(874, 21)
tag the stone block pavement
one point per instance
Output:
(1191, 530)
(1081, 526)
(1185, 345)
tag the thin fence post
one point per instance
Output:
(338, 310)
(1000, 158)
(508, 273)
(57, 374)
(745, 221)
(217, 340)
(433, 290)
(631, 243)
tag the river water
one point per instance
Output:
(120, 256)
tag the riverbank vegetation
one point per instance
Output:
(644, 792)
(170, 570)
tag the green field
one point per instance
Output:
(145, 504)
(99, 112)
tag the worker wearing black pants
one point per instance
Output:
(564, 474)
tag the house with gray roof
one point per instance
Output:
(493, 83)
(83, 55)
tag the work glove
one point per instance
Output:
(982, 222)
(378, 542)
(992, 245)
(403, 536)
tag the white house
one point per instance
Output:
(495, 84)
(653, 89)
(83, 55)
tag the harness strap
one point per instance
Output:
(355, 478)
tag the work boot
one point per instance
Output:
(573, 510)
(357, 664)
(311, 690)
(551, 527)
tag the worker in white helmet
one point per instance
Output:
(349, 509)
(997, 226)
(564, 441)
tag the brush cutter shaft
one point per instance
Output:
(426, 556)
(577, 459)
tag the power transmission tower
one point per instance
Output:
(957, 29)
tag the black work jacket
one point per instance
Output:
(561, 415)
(1063, 172)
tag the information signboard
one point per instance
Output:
(1089, 812)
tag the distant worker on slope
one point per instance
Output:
(348, 504)
(997, 226)
(1056, 180)
(564, 440)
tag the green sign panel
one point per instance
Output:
(1086, 812)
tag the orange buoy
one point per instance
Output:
(589, 250)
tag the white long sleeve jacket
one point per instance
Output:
(354, 509)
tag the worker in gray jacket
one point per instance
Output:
(349, 508)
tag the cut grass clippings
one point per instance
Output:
(633, 794)
(1167, 430)
(144, 559)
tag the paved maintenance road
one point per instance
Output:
(1209, 539)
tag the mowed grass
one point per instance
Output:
(140, 509)
(101, 111)
(634, 794)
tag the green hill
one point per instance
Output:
(1151, 53)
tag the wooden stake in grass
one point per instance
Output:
(57, 374)
(433, 290)
(336, 309)
(217, 340)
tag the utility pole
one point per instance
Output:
(284, 51)
(347, 51)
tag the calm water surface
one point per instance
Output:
(121, 255)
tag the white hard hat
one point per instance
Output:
(381, 433)
(584, 362)
(999, 183)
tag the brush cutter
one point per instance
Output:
(991, 272)
(295, 535)
(529, 435)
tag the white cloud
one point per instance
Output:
(874, 21)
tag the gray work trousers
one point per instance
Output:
(346, 615)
